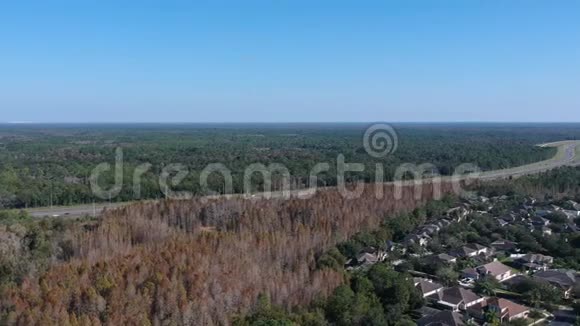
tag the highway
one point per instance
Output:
(73, 211)
(568, 154)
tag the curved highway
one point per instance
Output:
(568, 154)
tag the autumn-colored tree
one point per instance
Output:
(199, 262)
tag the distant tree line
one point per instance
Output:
(52, 165)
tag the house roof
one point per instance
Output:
(470, 271)
(508, 217)
(494, 268)
(455, 209)
(476, 246)
(369, 249)
(457, 295)
(543, 212)
(416, 238)
(477, 309)
(443, 257)
(543, 228)
(516, 280)
(539, 220)
(432, 226)
(502, 222)
(508, 307)
(536, 258)
(572, 227)
(570, 214)
(366, 257)
(443, 318)
(562, 279)
(463, 251)
(503, 244)
(426, 286)
(426, 311)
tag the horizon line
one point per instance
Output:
(279, 122)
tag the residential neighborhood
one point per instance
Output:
(466, 277)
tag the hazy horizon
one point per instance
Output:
(359, 123)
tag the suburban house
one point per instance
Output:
(430, 229)
(534, 262)
(502, 222)
(496, 270)
(571, 228)
(545, 230)
(563, 280)
(539, 221)
(470, 273)
(543, 212)
(509, 218)
(424, 311)
(427, 287)
(524, 213)
(390, 246)
(458, 213)
(444, 222)
(368, 256)
(421, 240)
(479, 249)
(464, 252)
(571, 214)
(573, 204)
(455, 298)
(470, 250)
(442, 318)
(441, 259)
(506, 310)
(531, 200)
(504, 246)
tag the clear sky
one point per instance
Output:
(280, 61)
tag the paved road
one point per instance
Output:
(568, 154)
(73, 211)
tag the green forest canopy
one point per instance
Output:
(51, 164)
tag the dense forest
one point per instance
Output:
(188, 262)
(384, 295)
(51, 164)
(558, 183)
(222, 261)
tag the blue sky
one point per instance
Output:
(280, 61)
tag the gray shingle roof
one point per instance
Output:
(443, 318)
(536, 258)
(562, 279)
(457, 295)
(494, 268)
(426, 286)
